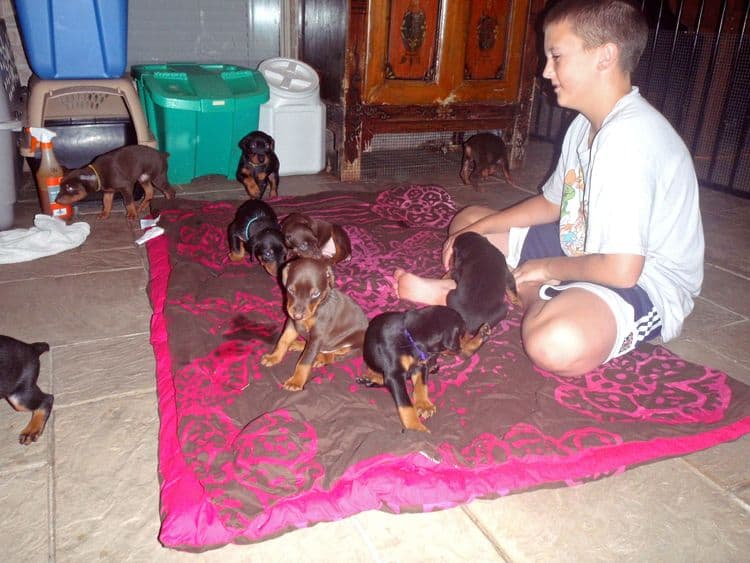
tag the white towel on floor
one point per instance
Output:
(48, 236)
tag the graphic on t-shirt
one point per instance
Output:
(573, 214)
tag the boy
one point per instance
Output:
(611, 252)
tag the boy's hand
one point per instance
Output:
(534, 271)
(448, 251)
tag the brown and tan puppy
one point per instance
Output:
(330, 322)
(258, 167)
(308, 237)
(118, 171)
(484, 155)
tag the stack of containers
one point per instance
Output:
(77, 50)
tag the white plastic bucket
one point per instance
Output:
(294, 115)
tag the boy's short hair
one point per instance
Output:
(598, 22)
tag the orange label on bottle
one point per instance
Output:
(57, 209)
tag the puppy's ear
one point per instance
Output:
(244, 143)
(257, 250)
(272, 143)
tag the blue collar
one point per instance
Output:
(420, 353)
(247, 227)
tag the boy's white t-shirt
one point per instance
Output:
(634, 191)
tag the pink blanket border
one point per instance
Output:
(191, 522)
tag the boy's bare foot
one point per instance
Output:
(421, 290)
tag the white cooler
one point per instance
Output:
(294, 115)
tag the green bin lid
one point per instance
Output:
(202, 87)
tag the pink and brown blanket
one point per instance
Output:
(241, 459)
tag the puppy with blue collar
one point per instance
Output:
(405, 345)
(256, 230)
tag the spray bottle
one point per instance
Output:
(49, 174)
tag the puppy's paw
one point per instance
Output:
(294, 383)
(33, 430)
(410, 419)
(419, 428)
(236, 257)
(269, 360)
(425, 408)
(28, 438)
(484, 331)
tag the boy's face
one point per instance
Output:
(570, 67)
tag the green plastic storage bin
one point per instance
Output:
(199, 112)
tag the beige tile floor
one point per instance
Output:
(89, 491)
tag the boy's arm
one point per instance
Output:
(614, 270)
(536, 210)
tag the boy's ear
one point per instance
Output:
(609, 55)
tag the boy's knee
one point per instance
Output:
(556, 346)
(467, 216)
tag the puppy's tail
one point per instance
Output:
(40, 347)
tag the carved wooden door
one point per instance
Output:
(426, 51)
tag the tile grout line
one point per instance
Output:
(51, 480)
(72, 274)
(124, 394)
(724, 308)
(368, 543)
(722, 355)
(716, 486)
(100, 340)
(486, 533)
(727, 270)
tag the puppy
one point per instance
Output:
(482, 279)
(400, 346)
(483, 154)
(256, 229)
(332, 325)
(258, 167)
(19, 370)
(118, 171)
(313, 238)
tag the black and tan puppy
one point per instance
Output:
(258, 167)
(256, 229)
(484, 155)
(313, 238)
(330, 322)
(482, 280)
(118, 171)
(19, 371)
(405, 345)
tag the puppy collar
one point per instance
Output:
(247, 227)
(98, 179)
(420, 353)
